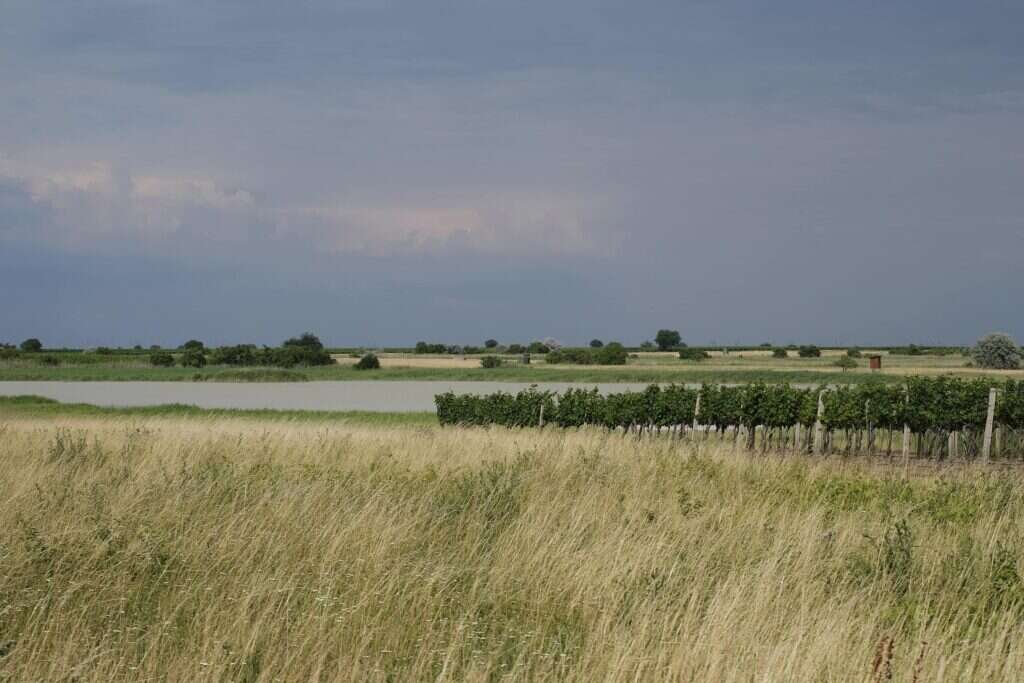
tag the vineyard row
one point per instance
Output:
(942, 416)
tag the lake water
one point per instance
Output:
(389, 396)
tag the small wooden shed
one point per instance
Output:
(875, 362)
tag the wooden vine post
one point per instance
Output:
(906, 437)
(818, 426)
(696, 414)
(540, 423)
(986, 447)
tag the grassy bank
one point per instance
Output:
(12, 407)
(535, 373)
(185, 549)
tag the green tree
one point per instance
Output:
(667, 339)
(845, 362)
(193, 344)
(596, 343)
(32, 345)
(306, 340)
(491, 343)
(612, 353)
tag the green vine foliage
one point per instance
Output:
(941, 404)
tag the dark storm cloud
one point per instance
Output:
(385, 171)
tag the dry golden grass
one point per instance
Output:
(195, 550)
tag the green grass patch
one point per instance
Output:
(529, 374)
(253, 375)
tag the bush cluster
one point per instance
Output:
(490, 362)
(424, 347)
(780, 353)
(248, 355)
(161, 359)
(193, 358)
(693, 354)
(809, 351)
(612, 353)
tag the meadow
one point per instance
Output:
(642, 367)
(224, 546)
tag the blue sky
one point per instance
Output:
(383, 172)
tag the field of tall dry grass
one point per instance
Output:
(201, 550)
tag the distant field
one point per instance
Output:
(175, 547)
(737, 366)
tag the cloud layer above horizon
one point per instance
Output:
(383, 172)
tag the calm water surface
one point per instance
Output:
(374, 395)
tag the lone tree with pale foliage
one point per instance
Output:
(997, 351)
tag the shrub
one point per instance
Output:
(809, 351)
(491, 343)
(193, 344)
(291, 356)
(647, 345)
(538, 347)
(572, 356)
(104, 351)
(239, 355)
(997, 351)
(32, 345)
(845, 362)
(853, 353)
(368, 362)
(667, 339)
(596, 343)
(780, 353)
(193, 358)
(161, 359)
(471, 350)
(516, 348)
(490, 362)
(8, 353)
(693, 354)
(612, 353)
(306, 340)
(424, 347)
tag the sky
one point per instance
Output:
(386, 172)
